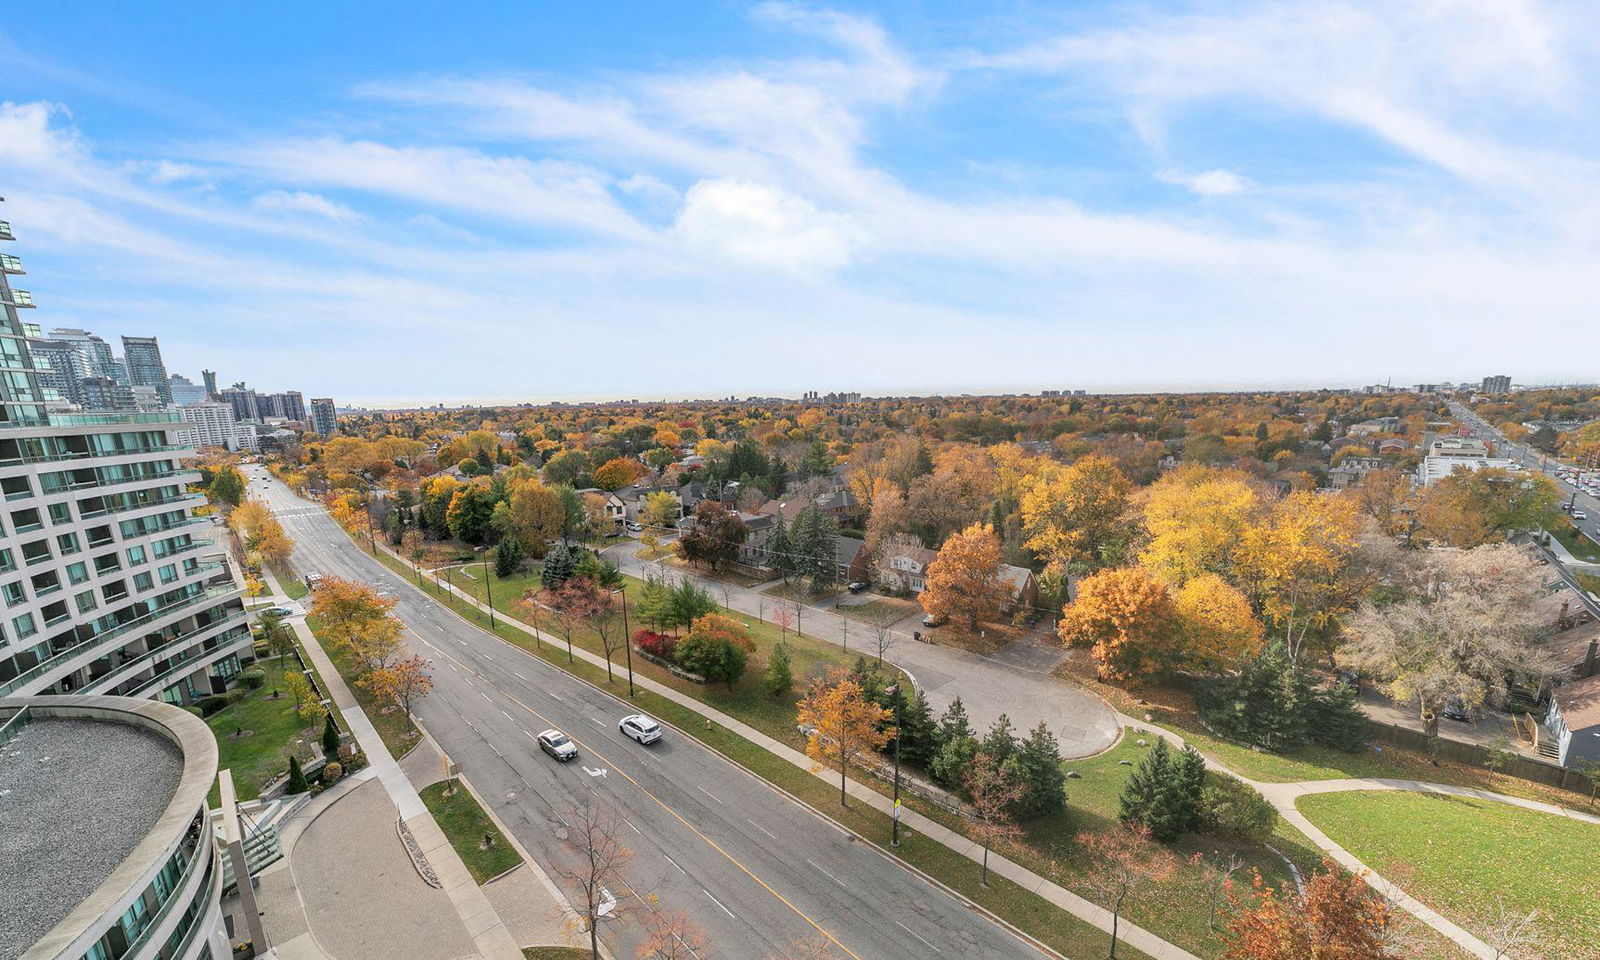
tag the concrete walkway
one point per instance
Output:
(488, 933)
(1095, 915)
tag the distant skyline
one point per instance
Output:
(508, 203)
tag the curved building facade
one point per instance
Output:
(106, 847)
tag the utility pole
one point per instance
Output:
(488, 591)
(627, 639)
(894, 838)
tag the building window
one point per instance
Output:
(8, 563)
(85, 601)
(68, 544)
(169, 573)
(136, 556)
(60, 513)
(107, 562)
(143, 582)
(24, 626)
(15, 593)
(26, 521)
(78, 572)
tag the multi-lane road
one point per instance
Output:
(755, 870)
(1534, 460)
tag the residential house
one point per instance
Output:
(1024, 588)
(1352, 470)
(1574, 720)
(850, 553)
(1392, 445)
(904, 567)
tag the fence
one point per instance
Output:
(1510, 764)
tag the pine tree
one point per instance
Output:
(1142, 792)
(508, 558)
(957, 747)
(1038, 765)
(558, 566)
(297, 777)
(1189, 787)
(919, 735)
(1000, 743)
(780, 550)
(953, 724)
(330, 738)
(779, 678)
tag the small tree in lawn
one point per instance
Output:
(597, 610)
(306, 702)
(1122, 861)
(508, 558)
(330, 737)
(278, 638)
(1215, 880)
(568, 605)
(992, 790)
(779, 678)
(1337, 917)
(1164, 792)
(600, 861)
(843, 724)
(783, 616)
(1037, 762)
(401, 684)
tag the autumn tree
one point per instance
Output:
(1075, 514)
(597, 610)
(306, 702)
(355, 619)
(1195, 518)
(1470, 508)
(471, 508)
(992, 788)
(276, 635)
(1338, 917)
(715, 537)
(660, 509)
(672, 936)
(964, 582)
(600, 861)
(227, 486)
(1215, 623)
(717, 648)
(400, 684)
(572, 604)
(1122, 862)
(1298, 561)
(260, 534)
(531, 515)
(842, 724)
(1127, 617)
(1464, 634)
(618, 472)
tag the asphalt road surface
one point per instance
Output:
(1534, 460)
(753, 869)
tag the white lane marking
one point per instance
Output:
(530, 735)
(484, 696)
(918, 936)
(825, 873)
(761, 828)
(708, 793)
(675, 864)
(632, 827)
(518, 675)
(718, 903)
(509, 716)
(599, 723)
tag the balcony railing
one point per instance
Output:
(88, 454)
(112, 419)
(11, 264)
(123, 671)
(5, 231)
(15, 297)
(125, 508)
(89, 644)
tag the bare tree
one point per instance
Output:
(672, 936)
(1216, 875)
(882, 636)
(1512, 932)
(600, 863)
(994, 789)
(1123, 861)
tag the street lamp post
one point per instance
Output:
(488, 590)
(627, 639)
(894, 838)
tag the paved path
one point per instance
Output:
(1130, 933)
(483, 925)
(1082, 723)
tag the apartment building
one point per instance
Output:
(145, 368)
(108, 583)
(324, 420)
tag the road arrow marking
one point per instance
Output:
(595, 773)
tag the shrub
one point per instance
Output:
(254, 678)
(1273, 705)
(1337, 720)
(297, 777)
(657, 644)
(1231, 808)
(194, 710)
(331, 772)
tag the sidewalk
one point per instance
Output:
(489, 934)
(1129, 933)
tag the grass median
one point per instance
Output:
(480, 844)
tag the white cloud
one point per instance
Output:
(763, 226)
(1210, 183)
(166, 171)
(300, 201)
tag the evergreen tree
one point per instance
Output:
(953, 724)
(957, 747)
(816, 462)
(508, 558)
(227, 487)
(779, 678)
(297, 777)
(919, 734)
(924, 461)
(1189, 787)
(814, 543)
(1265, 705)
(558, 566)
(1335, 718)
(1142, 792)
(330, 738)
(780, 550)
(1000, 743)
(1037, 762)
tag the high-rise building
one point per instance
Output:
(145, 369)
(66, 370)
(98, 360)
(110, 584)
(323, 418)
(246, 403)
(137, 879)
(185, 391)
(104, 393)
(212, 424)
(210, 379)
(290, 405)
(1494, 386)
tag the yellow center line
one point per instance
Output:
(646, 791)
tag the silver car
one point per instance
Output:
(558, 745)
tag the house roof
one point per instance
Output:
(1579, 702)
(1570, 647)
(1018, 577)
(846, 549)
(921, 555)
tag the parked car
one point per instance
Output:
(1456, 710)
(1580, 515)
(857, 587)
(278, 612)
(640, 727)
(929, 620)
(558, 745)
(634, 526)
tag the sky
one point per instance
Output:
(493, 202)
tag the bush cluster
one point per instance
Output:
(1274, 705)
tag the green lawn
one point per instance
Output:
(273, 726)
(555, 953)
(1576, 543)
(1461, 856)
(396, 730)
(467, 826)
(874, 612)
(294, 587)
(1589, 582)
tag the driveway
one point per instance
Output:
(1012, 684)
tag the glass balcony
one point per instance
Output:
(15, 297)
(5, 231)
(11, 264)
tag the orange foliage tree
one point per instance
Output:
(1127, 618)
(964, 583)
(1338, 917)
(842, 723)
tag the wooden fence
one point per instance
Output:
(1510, 764)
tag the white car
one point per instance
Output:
(1579, 515)
(558, 745)
(640, 727)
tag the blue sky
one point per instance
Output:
(536, 200)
